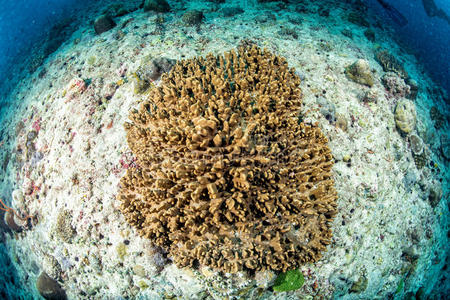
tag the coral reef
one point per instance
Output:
(437, 117)
(413, 87)
(360, 72)
(390, 63)
(156, 5)
(370, 34)
(103, 24)
(357, 18)
(405, 116)
(227, 175)
(68, 172)
(435, 194)
(347, 32)
(193, 17)
(395, 86)
(416, 144)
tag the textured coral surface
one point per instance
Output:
(227, 175)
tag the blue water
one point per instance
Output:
(428, 37)
(23, 23)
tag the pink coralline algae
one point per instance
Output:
(37, 125)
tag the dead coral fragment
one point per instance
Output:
(228, 177)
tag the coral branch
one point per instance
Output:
(228, 176)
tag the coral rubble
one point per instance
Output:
(227, 175)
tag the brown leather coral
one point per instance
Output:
(228, 176)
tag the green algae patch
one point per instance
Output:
(289, 281)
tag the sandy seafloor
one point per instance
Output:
(389, 241)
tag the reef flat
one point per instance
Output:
(64, 151)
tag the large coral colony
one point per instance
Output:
(228, 175)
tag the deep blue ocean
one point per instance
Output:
(428, 37)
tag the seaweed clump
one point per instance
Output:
(226, 175)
